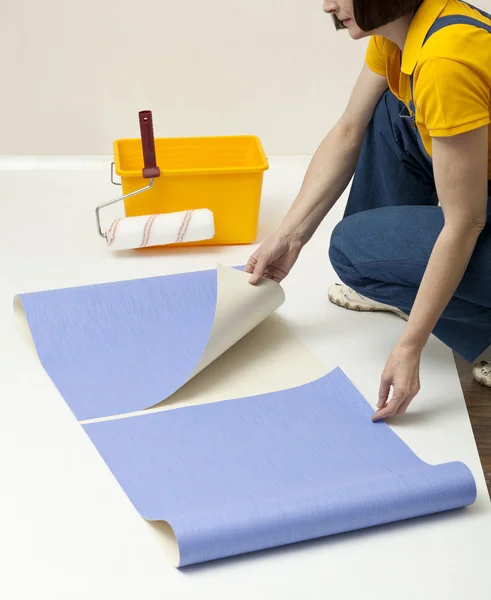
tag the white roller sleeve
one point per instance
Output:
(161, 229)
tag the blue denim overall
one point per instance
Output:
(392, 220)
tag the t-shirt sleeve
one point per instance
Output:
(375, 56)
(451, 98)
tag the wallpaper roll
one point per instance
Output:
(223, 429)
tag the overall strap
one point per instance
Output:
(445, 22)
(480, 10)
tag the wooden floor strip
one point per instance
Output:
(478, 400)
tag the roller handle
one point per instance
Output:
(150, 169)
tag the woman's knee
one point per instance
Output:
(361, 239)
(385, 244)
(340, 251)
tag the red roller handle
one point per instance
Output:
(150, 169)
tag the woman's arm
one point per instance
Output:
(460, 165)
(327, 176)
(334, 162)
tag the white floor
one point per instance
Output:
(68, 531)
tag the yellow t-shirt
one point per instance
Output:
(452, 71)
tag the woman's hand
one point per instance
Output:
(402, 374)
(274, 258)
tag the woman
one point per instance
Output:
(415, 238)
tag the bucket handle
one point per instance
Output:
(150, 170)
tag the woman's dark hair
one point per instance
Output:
(372, 14)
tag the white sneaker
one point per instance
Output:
(344, 296)
(482, 373)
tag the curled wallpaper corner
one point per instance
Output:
(239, 476)
(168, 541)
(240, 307)
(117, 348)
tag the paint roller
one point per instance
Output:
(143, 231)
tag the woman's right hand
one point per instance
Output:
(274, 258)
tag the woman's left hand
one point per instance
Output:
(401, 373)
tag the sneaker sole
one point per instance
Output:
(481, 379)
(360, 308)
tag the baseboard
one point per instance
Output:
(54, 163)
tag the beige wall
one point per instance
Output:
(75, 73)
